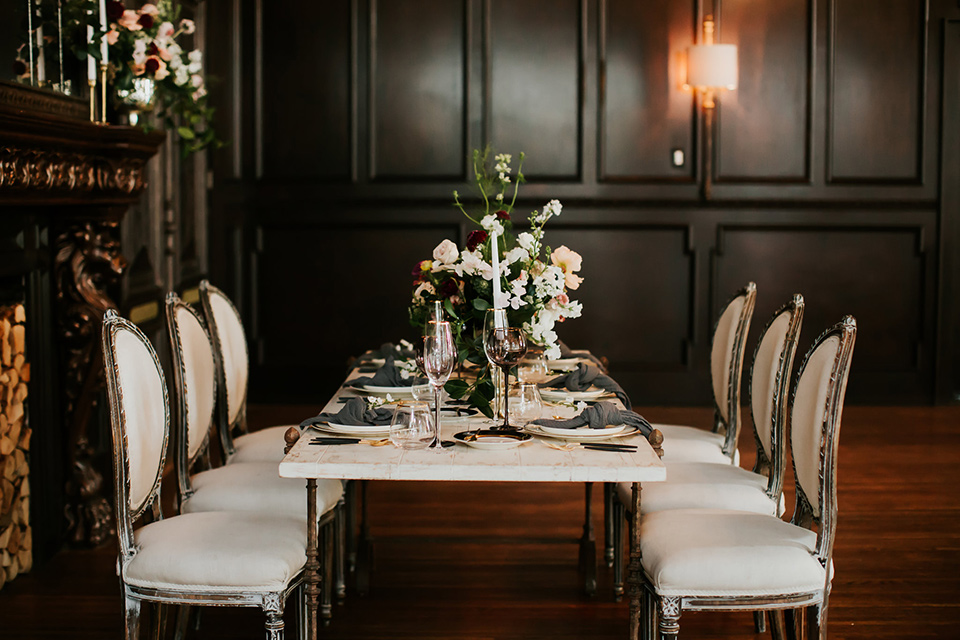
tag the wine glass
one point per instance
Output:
(492, 320)
(439, 357)
(507, 347)
(527, 403)
(412, 426)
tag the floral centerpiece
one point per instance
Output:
(150, 69)
(535, 279)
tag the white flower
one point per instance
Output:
(425, 287)
(514, 255)
(492, 224)
(580, 406)
(188, 26)
(181, 75)
(389, 399)
(504, 178)
(502, 300)
(373, 401)
(552, 208)
(197, 56)
(499, 197)
(196, 81)
(165, 32)
(552, 352)
(527, 241)
(174, 50)
(406, 344)
(139, 51)
(471, 264)
(446, 253)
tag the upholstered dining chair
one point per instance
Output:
(242, 486)
(720, 485)
(715, 559)
(220, 558)
(233, 371)
(691, 444)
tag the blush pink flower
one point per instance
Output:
(130, 20)
(112, 36)
(149, 10)
(569, 261)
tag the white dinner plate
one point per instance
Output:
(382, 391)
(491, 440)
(607, 431)
(354, 430)
(563, 394)
(582, 433)
(564, 364)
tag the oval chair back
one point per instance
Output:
(726, 363)
(195, 384)
(232, 360)
(815, 430)
(140, 423)
(769, 391)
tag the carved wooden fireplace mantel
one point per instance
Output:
(65, 184)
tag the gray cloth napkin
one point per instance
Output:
(585, 376)
(355, 413)
(387, 350)
(600, 415)
(567, 352)
(386, 376)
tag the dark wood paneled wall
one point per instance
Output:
(835, 170)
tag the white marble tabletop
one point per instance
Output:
(532, 461)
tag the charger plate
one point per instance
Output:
(492, 440)
(582, 433)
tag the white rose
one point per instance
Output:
(492, 224)
(515, 254)
(527, 241)
(446, 252)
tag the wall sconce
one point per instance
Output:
(711, 68)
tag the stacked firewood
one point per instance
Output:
(16, 544)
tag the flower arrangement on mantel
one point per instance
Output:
(149, 69)
(535, 279)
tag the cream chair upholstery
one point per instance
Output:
(238, 486)
(232, 357)
(711, 559)
(689, 444)
(239, 559)
(720, 485)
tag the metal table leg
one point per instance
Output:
(635, 570)
(588, 546)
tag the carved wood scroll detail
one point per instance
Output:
(88, 264)
(58, 171)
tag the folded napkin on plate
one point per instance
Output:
(567, 352)
(585, 376)
(354, 413)
(599, 416)
(389, 375)
(388, 349)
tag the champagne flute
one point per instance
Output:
(494, 319)
(439, 358)
(507, 348)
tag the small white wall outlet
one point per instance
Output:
(677, 158)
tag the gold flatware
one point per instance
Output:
(560, 447)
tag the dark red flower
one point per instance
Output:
(503, 215)
(19, 68)
(475, 238)
(152, 49)
(449, 288)
(146, 21)
(151, 65)
(114, 10)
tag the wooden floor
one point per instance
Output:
(479, 561)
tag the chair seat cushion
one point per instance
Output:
(704, 485)
(257, 486)
(711, 552)
(265, 445)
(690, 444)
(220, 551)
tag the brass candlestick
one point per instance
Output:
(93, 99)
(103, 94)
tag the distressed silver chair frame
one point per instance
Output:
(663, 613)
(334, 568)
(772, 469)
(271, 602)
(731, 426)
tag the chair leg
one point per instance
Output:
(273, 606)
(759, 621)
(778, 630)
(350, 524)
(648, 623)
(817, 621)
(608, 538)
(619, 518)
(340, 552)
(326, 567)
(795, 622)
(162, 611)
(183, 621)
(669, 611)
(132, 618)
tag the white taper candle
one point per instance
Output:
(495, 261)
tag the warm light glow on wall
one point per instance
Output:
(711, 67)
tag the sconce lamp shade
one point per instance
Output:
(712, 66)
